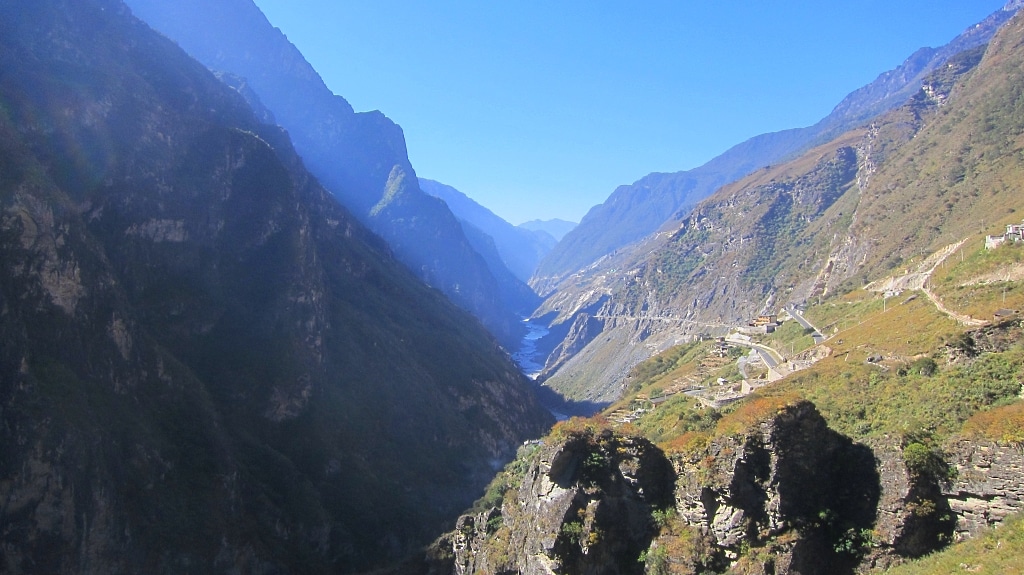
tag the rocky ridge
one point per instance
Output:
(785, 495)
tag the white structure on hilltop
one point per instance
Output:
(1014, 233)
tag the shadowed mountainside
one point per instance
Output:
(206, 363)
(360, 157)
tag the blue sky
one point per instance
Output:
(540, 109)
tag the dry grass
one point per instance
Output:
(756, 410)
(985, 281)
(1004, 424)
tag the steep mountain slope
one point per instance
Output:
(359, 157)
(520, 248)
(772, 483)
(516, 295)
(635, 211)
(871, 202)
(206, 363)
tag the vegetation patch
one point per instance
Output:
(679, 548)
(1003, 424)
(508, 479)
(756, 410)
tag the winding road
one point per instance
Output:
(770, 357)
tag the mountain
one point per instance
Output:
(360, 157)
(206, 363)
(886, 435)
(520, 249)
(556, 228)
(638, 210)
(517, 296)
(874, 200)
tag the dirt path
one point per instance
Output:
(918, 279)
(964, 319)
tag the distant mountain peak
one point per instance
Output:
(519, 249)
(556, 227)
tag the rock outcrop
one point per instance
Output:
(789, 485)
(584, 506)
(783, 495)
(988, 484)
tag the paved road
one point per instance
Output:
(767, 357)
(767, 354)
(815, 334)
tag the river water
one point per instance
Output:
(531, 364)
(526, 357)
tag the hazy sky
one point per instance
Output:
(539, 109)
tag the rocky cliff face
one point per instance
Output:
(785, 495)
(206, 363)
(359, 157)
(987, 486)
(583, 506)
(798, 492)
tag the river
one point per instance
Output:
(531, 365)
(526, 357)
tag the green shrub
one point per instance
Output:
(572, 532)
(925, 366)
(924, 460)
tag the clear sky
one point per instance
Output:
(539, 109)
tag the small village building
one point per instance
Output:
(993, 242)
(1014, 233)
(763, 320)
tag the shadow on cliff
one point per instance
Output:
(830, 490)
(796, 488)
(563, 408)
